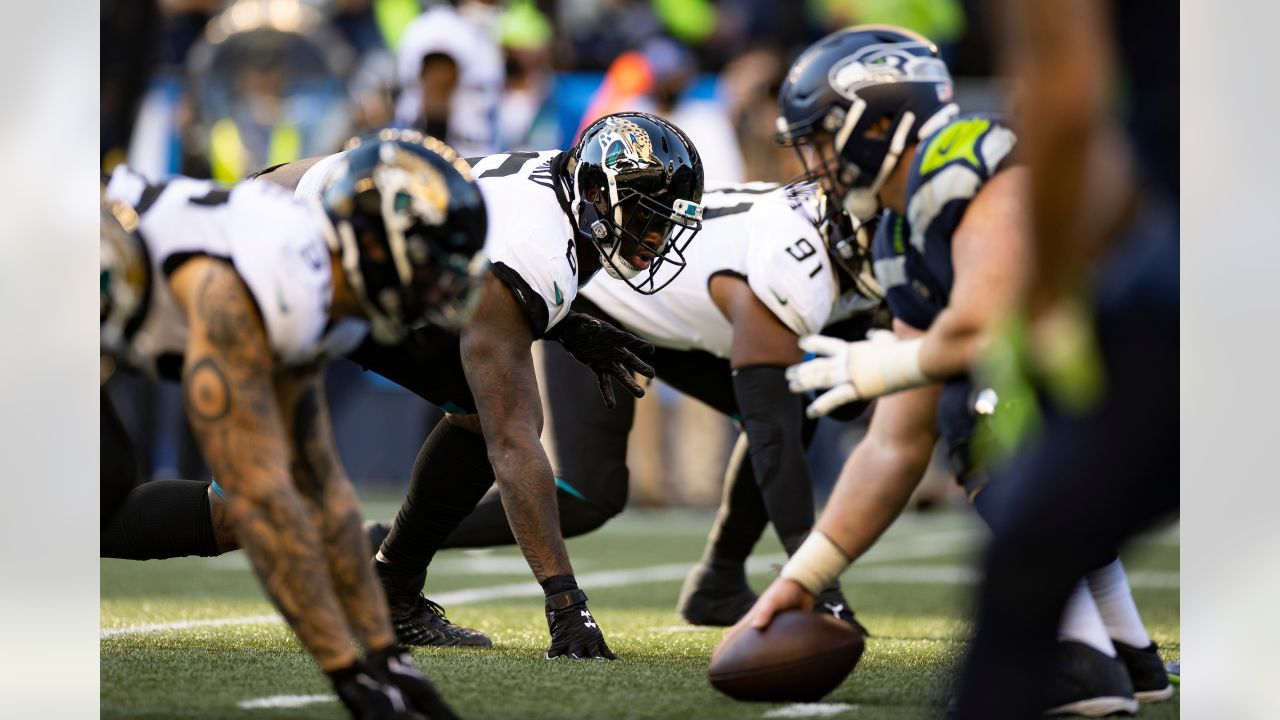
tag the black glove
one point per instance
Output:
(367, 697)
(395, 666)
(606, 350)
(574, 631)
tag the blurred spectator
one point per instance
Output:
(527, 119)
(655, 79)
(129, 31)
(451, 75)
(750, 84)
(268, 84)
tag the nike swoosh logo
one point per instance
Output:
(778, 297)
(559, 297)
(284, 306)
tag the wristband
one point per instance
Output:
(566, 599)
(900, 366)
(816, 564)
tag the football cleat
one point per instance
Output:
(1146, 671)
(368, 698)
(714, 596)
(419, 621)
(1088, 682)
(832, 602)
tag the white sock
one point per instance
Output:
(1110, 589)
(1082, 622)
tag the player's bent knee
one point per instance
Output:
(162, 519)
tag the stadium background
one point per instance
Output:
(178, 75)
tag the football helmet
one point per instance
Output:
(866, 93)
(124, 278)
(635, 187)
(409, 227)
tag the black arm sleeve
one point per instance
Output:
(774, 420)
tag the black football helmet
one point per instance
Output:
(409, 227)
(635, 183)
(839, 94)
(124, 278)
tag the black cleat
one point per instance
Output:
(367, 697)
(832, 602)
(1146, 671)
(1088, 682)
(417, 620)
(715, 596)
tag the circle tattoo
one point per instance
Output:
(208, 395)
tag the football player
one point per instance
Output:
(869, 108)
(726, 329)
(1104, 299)
(625, 198)
(243, 293)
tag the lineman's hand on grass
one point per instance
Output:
(782, 594)
(576, 635)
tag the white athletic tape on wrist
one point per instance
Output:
(817, 563)
(893, 366)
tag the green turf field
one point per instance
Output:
(911, 592)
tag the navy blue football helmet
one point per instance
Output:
(410, 227)
(857, 98)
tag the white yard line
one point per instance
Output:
(867, 570)
(283, 701)
(808, 710)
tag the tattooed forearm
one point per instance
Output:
(499, 369)
(230, 399)
(318, 472)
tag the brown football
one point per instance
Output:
(800, 657)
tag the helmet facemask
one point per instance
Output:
(639, 213)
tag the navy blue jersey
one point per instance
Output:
(912, 252)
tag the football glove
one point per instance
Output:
(861, 370)
(606, 350)
(575, 634)
(395, 666)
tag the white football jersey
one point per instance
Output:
(473, 112)
(763, 232)
(276, 245)
(528, 235)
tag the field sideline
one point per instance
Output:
(195, 638)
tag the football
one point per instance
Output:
(800, 657)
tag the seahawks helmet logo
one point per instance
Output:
(887, 63)
(622, 141)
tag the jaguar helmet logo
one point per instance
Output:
(624, 142)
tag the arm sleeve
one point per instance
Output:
(773, 418)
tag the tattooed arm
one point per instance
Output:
(229, 396)
(326, 490)
(499, 367)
